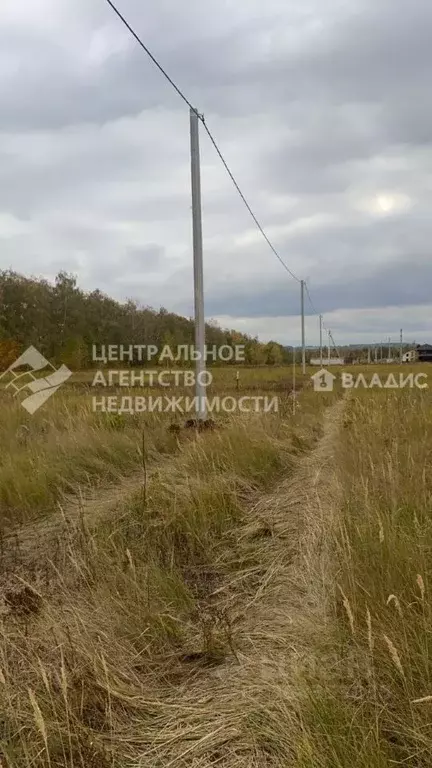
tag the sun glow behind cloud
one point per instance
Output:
(385, 203)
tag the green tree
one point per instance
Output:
(274, 353)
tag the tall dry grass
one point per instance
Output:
(106, 645)
(65, 444)
(371, 706)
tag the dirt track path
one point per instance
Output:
(240, 714)
(224, 716)
(27, 551)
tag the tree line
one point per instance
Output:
(63, 322)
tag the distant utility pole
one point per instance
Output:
(401, 345)
(321, 347)
(329, 348)
(389, 350)
(198, 266)
(369, 355)
(376, 353)
(303, 327)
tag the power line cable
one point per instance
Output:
(231, 175)
(154, 60)
(334, 345)
(319, 315)
(314, 309)
(201, 117)
(310, 299)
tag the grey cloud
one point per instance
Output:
(94, 155)
(400, 283)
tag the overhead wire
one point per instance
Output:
(218, 151)
(231, 175)
(322, 319)
(210, 135)
(148, 52)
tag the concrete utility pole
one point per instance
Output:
(329, 348)
(376, 353)
(200, 367)
(401, 345)
(369, 355)
(321, 347)
(303, 327)
(389, 350)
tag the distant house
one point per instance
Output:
(325, 361)
(424, 353)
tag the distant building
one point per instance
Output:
(326, 362)
(424, 353)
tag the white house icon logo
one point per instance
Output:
(323, 381)
(40, 388)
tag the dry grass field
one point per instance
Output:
(253, 596)
(371, 706)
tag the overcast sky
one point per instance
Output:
(322, 109)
